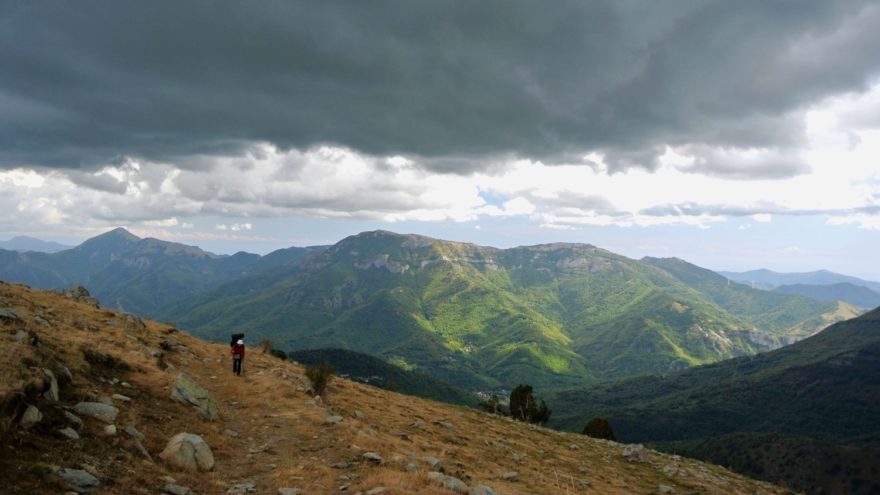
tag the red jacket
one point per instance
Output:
(238, 350)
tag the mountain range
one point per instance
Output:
(556, 315)
(856, 295)
(769, 280)
(24, 243)
(806, 414)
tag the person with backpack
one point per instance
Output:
(237, 349)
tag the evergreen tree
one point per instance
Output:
(524, 406)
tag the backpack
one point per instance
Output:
(235, 338)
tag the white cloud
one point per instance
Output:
(861, 220)
(762, 217)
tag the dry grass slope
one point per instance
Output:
(272, 433)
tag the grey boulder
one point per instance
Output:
(188, 451)
(187, 391)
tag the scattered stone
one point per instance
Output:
(417, 426)
(187, 391)
(665, 489)
(133, 432)
(79, 293)
(73, 418)
(135, 445)
(39, 320)
(230, 433)
(20, 336)
(445, 424)
(449, 482)
(69, 433)
(510, 476)
(109, 430)
(341, 465)
(78, 480)
(188, 451)
(64, 373)
(435, 463)
(9, 315)
(635, 453)
(333, 419)
(174, 489)
(359, 414)
(126, 384)
(373, 457)
(242, 488)
(377, 490)
(31, 416)
(97, 410)
(106, 400)
(120, 397)
(51, 394)
(411, 468)
(289, 491)
(670, 470)
(481, 490)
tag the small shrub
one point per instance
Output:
(266, 345)
(106, 361)
(279, 354)
(320, 377)
(599, 428)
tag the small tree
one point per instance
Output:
(492, 405)
(320, 377)
(266, 345)
(599, 428)
(524, 406)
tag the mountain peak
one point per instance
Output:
(121, 233)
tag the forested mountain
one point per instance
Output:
(817, 397)
(861, 297)
(768, 279)
(481, 317)
(25, 243)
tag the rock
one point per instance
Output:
(174, 489)
(435, 463)
(51, 394)
(481, 490)
(31, 416)
(64, 373)
(411, 468)
(133, 432)
(242, 488)
(417, 426)
(187, 391)
(97, 410)
(340, 465)
(188, 451)
(449, 482)
(20, 336)
(109, 430)
(79, 293)
(78, 480)
(230, 433)
(120, 397)
(135, 445)
(289, 491)
(332, 420)
(377, 490)
(665, 489)
(9, 315)
(445, 424)
(510, 476)
(69, 433)
(373, 457)
(635, 453)
(359, 415)
(74, 419)
(39, 320)
(106, 400)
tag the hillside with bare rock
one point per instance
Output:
(97, 401)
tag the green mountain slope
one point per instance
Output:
(858, 296)
(138, 275)
(374, 371)
(824, 388)
(785, 317)
(479, 317)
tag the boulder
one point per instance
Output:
(9, 315)
(665, 489)
(289, 491)
(69, 433)
(635, 453)
(74, 419)
(242, 488)
(51, 394)
(188, 451)
(79, 293)
(481, 490)
(187, 391)
(31, 416)
(373, 457)
(510, 476)
(175, 489)
(435, 463)
(97, 410)
(78, 480)
(449, 482)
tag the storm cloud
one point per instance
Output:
(450, 85)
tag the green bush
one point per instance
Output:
(320, 377)
(599, 428)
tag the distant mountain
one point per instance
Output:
(374, 371)
(824, 389)
(855, 295)
(24, 243)
(767, 279)
(138, 275)
(486, 318)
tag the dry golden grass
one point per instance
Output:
(283, 439)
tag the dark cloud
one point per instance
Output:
(450, 83)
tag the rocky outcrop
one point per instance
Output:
(31, 416)
(635, 453)
(79, 480)
(187, 391)
(98, 410)
(80, 294)
(188, 451)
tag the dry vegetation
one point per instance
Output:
(271, 432)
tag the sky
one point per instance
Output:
(735, 135)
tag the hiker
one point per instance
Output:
(237, 356)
